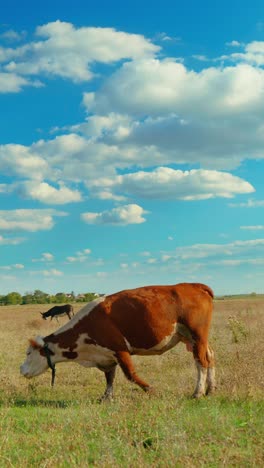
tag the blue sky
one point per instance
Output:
(131, 145)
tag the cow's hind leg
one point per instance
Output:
(201, 361)
(210, 381)
(127, 366)
(109, 376)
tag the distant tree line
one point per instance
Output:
(40, 297)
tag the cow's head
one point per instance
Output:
(43, 315)
(36, 361)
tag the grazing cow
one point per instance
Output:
(56, 311)
(143, 321)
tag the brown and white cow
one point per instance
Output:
(143, 321)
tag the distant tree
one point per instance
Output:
(13, 298)
(88, 297)
(80, 298)
(28, 298)
(73, 295)
(52, 299)
(40, 297)
(60, 297)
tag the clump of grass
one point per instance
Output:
(34, 324)
(238, 329)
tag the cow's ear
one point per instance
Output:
(37, 342)
(34, 344)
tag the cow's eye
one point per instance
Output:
(28, 353)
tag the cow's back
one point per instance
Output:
(145, 316)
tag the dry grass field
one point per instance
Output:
(65, 426)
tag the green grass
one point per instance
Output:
(135, 430)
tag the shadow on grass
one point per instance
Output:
(38, 402)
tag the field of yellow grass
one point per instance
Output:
(65, 426)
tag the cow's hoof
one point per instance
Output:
(150, 390)
(105, 399)
(197, 395)
(210, 390)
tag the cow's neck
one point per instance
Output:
(67, 342)
(60, 349)
(70, 340)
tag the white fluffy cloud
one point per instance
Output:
(17, 266)
(45, 193)
(122, 215)
(218, 143)
(160, 87)
(52, 272)
(203, 116)
(48, 256)
(212, 250)
(45, 257)
(21, 161)
(69, 52)
(10, 240)
(149, 112)
(258, 227)
(11, 35)
(28, 220)
(253, 53)
(248, 204)
(71, 158)
(3, 188)
(13, 83)
(247, 261)
(80, 256)
(164, 183)
(233, 43)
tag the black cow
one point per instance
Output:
(56, 311)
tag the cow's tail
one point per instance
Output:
(206, 289)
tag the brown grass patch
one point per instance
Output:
(236, 336)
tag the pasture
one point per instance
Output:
(66, 427)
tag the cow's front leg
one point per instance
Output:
(109, 376)
(126, 364)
